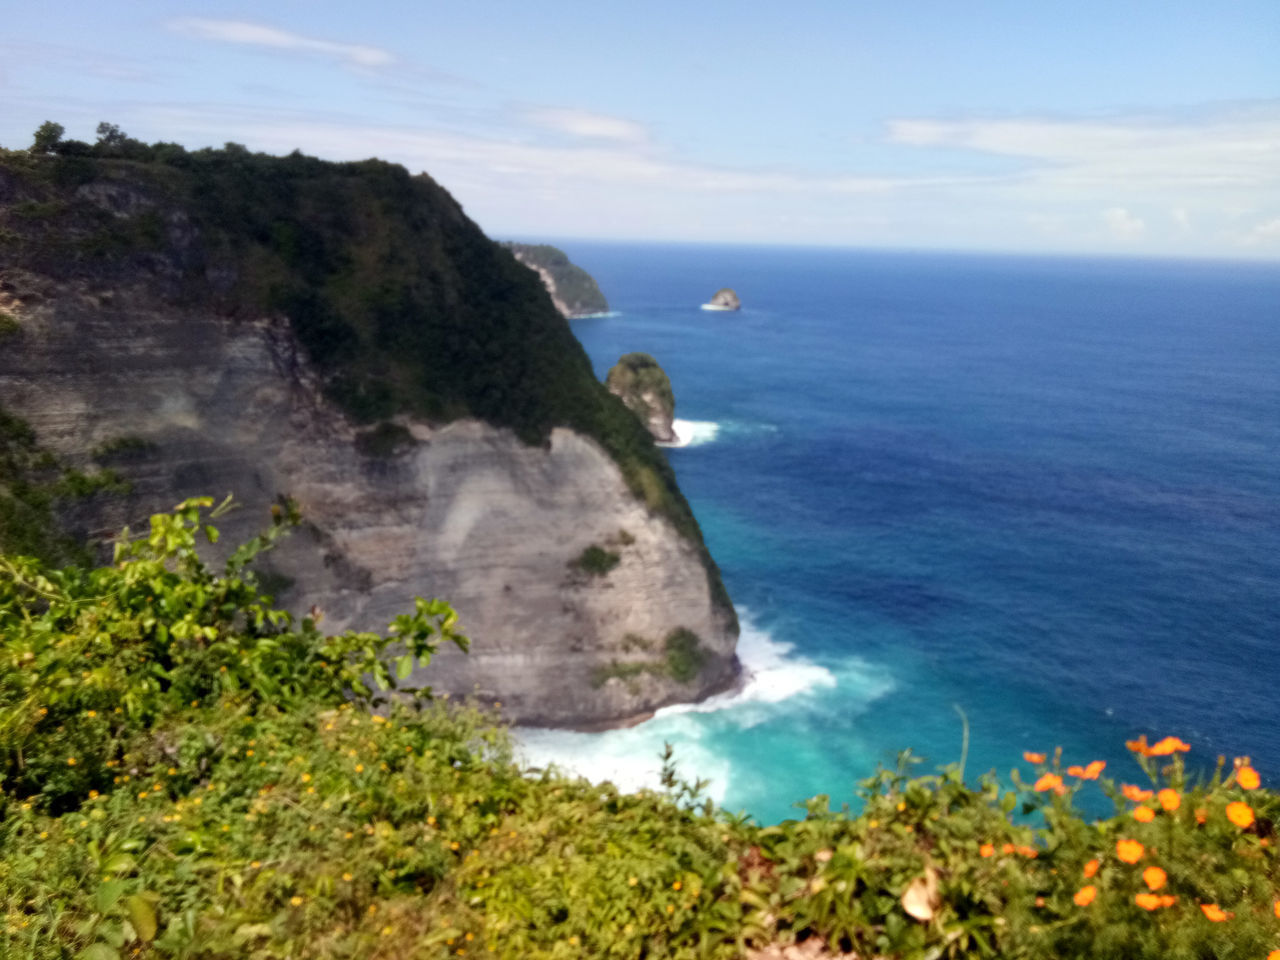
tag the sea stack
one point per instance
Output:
(724, 299)
(646, 390)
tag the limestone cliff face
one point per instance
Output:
(185, 396)
(644, 387)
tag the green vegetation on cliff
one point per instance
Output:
(574, 287)
(401, 302)
(187, 773)
(34, 487)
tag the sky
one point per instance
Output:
(1135, 127)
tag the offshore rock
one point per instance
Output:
(646, 390)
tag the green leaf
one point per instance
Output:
(99, 951)
(404, 666)
(120, 863)
(143, 917)
(108, 895)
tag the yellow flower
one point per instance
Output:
(347, 877)
(359, 768)
(71, 761)
(256, 864)
(632, 881)
(91, 713)
(306, 778)
(296, 901)
(677, 885)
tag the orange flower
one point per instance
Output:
(1091, 868)
(1275, 907)
(1201, 814)
(1215, 912)
(1007, 848)
(1136, 794)
(1167, 746)
(1033, 757)
(1048, 782)
(1028, 852)
(986, 850)
(1241, 814)
(1168, 900)
(1139, 746)
(1274, 955)
(1147, 901)
(1090, 772)
(1084, 896)
(1169, 799)
(1248, 778)
(1130, 851)
(1154, 878)
(1144, 814)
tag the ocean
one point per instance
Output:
(1041, 493)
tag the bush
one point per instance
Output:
(596, 561)
(232, 795)
(685, 656)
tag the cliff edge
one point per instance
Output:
(221, 322)
(574, 291)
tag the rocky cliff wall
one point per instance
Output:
(113, 361)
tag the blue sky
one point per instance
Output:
(1097, 126)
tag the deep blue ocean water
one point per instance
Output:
(1044, 491)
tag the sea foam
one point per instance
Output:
(629, 758)
(692, 433)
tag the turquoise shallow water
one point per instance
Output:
(1045, 491)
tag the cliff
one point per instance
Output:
(638, 381)
(573, 290)
(342, 334)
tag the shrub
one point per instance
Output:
(685, 656)
(385, 440)
(232, 795)
(596, 561)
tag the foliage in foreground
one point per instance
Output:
(189, 773)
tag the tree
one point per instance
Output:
(48, 136)
(110, 135)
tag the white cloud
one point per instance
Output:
(1268, 232)
(1122, 223)
(1181, 218)
(259, 35)
(591, 126)
(1232, 148)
